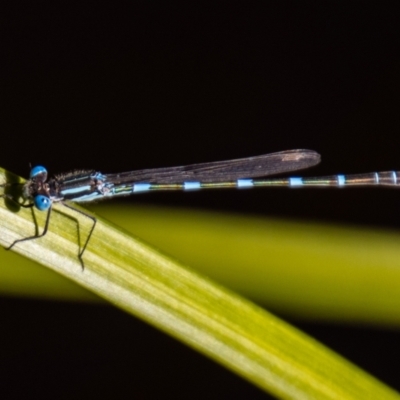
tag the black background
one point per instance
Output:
(153, 84)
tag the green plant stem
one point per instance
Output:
(231, 330)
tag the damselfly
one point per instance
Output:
(86, 186)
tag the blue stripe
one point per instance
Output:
(88, 197)
(341, 180)
(243, 183)
(191, 185)
(79, 189)
(295, 181)
(141, 187)
(394, 177)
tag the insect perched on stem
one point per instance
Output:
(85, 186)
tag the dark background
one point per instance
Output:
(155, 84)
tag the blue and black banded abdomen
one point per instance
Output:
(84, 187)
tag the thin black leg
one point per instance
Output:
(46, 227)
(80, 254)
(37, 235)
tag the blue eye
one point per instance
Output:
(42, 203)
(38, 170)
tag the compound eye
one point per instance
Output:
(38, 172)
(42, 203)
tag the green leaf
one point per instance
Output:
(231, 330)
(303, 269)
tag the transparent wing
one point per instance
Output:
(251, 167)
